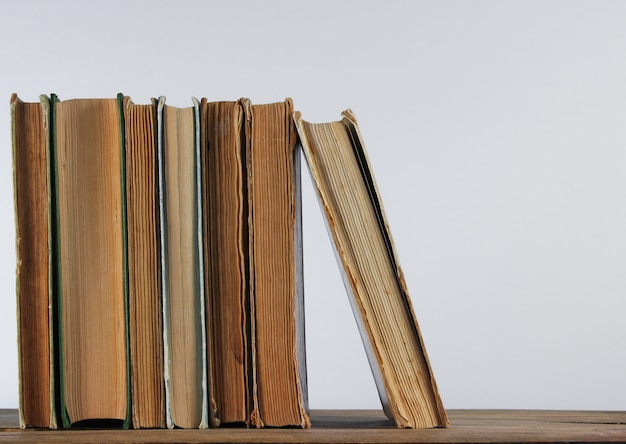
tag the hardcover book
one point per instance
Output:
(144, 266)
(184, 328)
(226, 257)
(34, 274)
(279, 384)
(377, 291)
(90, 212)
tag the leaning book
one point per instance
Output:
(377, 291)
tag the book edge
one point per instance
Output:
(204, 423)
(13, 110)
(163, 257)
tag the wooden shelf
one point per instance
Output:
(364, 426)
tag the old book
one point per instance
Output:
(31, 176)
(91, 231)
(225, 253)
(144, 267)
(184, 330)
(279, 389)
(347, 192)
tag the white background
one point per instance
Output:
(497, 134)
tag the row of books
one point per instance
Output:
(159, 265)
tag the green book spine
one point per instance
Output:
(120, 102)
(56, 261)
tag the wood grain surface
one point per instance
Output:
(363, 426)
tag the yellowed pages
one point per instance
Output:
(347, 192)
(90, 216)
(279, 385)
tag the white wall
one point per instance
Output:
(497, 133)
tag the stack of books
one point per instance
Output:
(160, 273)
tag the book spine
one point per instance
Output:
(200, 263)
(56, 255)
(14, 105)
(120, 102)
(163, 232)
(45, 104)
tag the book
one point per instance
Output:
(279, 386)
(90, 212)
(377, 291)
(144, 267)
(226, 257)
(184, 329)
(160, 271)
(34, 284)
